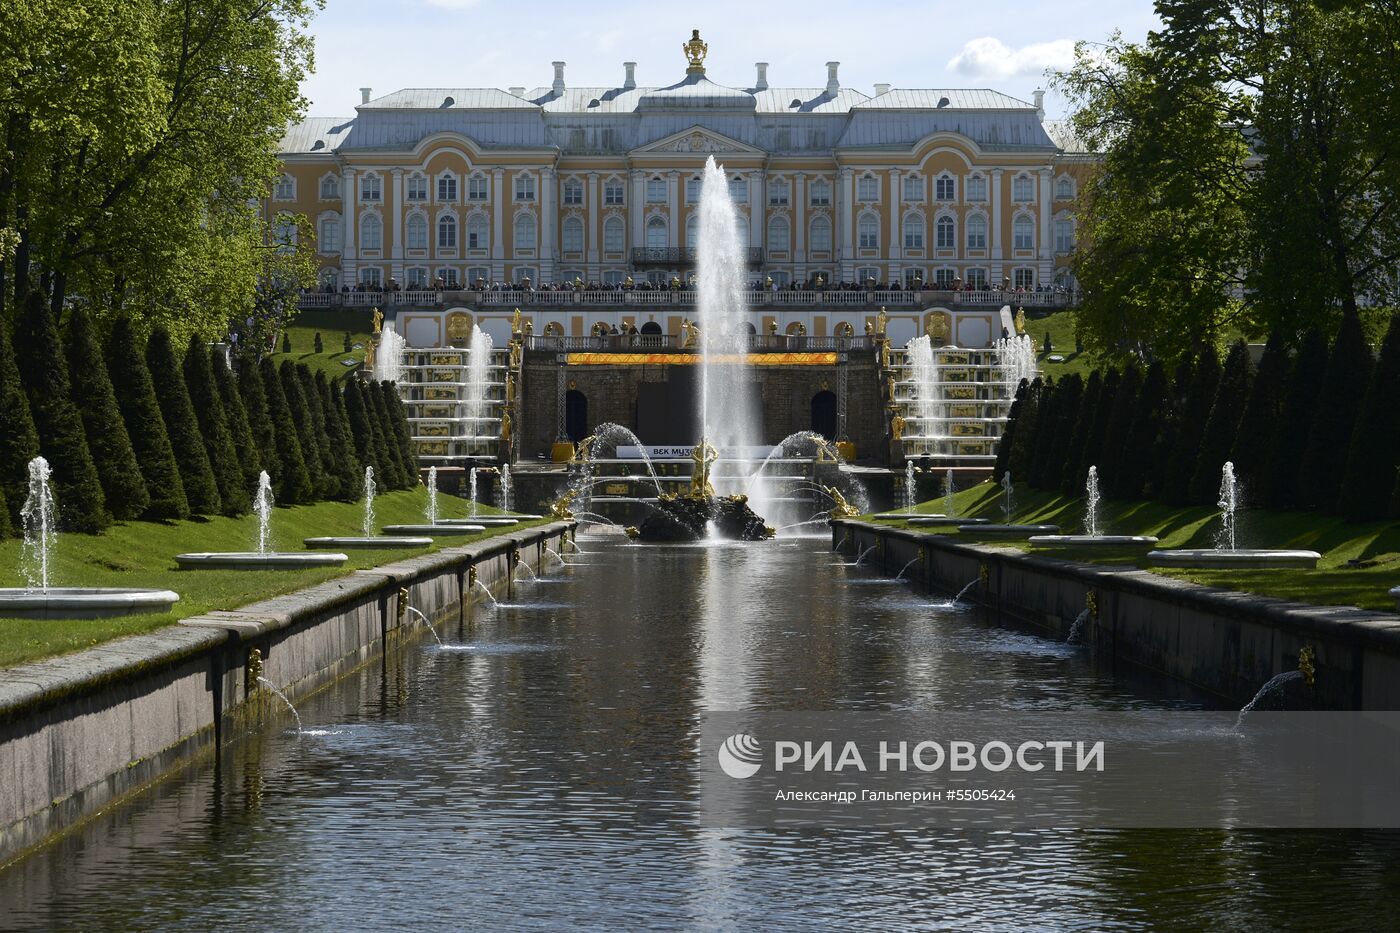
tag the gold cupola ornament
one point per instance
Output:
(695, 52)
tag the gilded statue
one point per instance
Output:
(1020, 322)
(515, 323)
(369, 354)
(505, 425)
(690, 334)
(584, 449)
(378, 317)
(560, 507)
(897, 424)
(842, 509)
(510, 387)
(869, 328)
(882, 322)
(704, 456)
(772, 328)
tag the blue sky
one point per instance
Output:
(494, 43)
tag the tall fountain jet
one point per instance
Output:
(727, 416)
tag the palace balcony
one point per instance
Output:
(679, 256)
(657, 343)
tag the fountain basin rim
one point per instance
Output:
(1395, 592)
(1244, 557)
(1092, 541)
(488, 521)
(927, 520)
(1010, 531)
(82, 602)
(426, 529)
(373, 541)
(252, 560)
(903, 516)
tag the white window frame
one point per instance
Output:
(478, 187)
(813, 241)
(525, 188)
(1064, 235)
(913, 230)
(819, 194)
(1023, 189)
(739, 189)
(415, 231)
(329, 245)
(654, 223)
(447, 188)
(614, 192)
(945, 224)
(573, 193)
(614, 235)
(371, 221)
(571, 235)
(478, 225)
(523, 221)
(779, 193)
(976, 187)
(868, 189)
(912, 189)
(372, 275)
(446, 232)
(372, 188)
(329, 187)
(656, 190)
(945, 188)
(693, 185)
(286, 188)
(868, 222)
(976, 226)
(1023, 277)
(415, 188)
(1019, 240)
(975, 277)
(779, 230)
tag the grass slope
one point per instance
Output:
(141, 554)
(332, 325)
(1373, 546)
(1060, 326)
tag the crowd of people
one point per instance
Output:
(677, 284)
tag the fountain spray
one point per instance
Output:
(909, 486)
(1229, 502)
(39, 526)
(1008, 496)
(367, 523)
(1091, 503)
(505, 487)
(262, 507)
(948, 502)
(432, 513)
(473, 490)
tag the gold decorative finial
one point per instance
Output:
(695, 51)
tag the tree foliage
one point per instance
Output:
(122, 484)
(196, 473)
(145, 425)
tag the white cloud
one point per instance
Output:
(989, 57)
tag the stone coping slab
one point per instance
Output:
(438, 530)
(1008, 531)
(945, 521)
(1108, 542)
(252, 560)
(1251, 558)
(78, 602)
(372, 542)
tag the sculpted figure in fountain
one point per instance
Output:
(704, 456)
(560, 508)
(378, 320)
(842, 509)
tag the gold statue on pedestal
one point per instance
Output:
(882, 322)
(369, 354)
(515, 323)
(704, 456)
(843, 509)
(695, 51)
(1020, 322)
(378, 317)
(897, 425)
(690, 334)
(505, 425)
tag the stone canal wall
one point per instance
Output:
(79, 731)
(1224, 642)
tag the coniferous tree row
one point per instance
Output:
(331, 480)
(249, 453)
(234, 493)
(19, 443)
(1190, 428)
(347, 468)
(390, 478)
(201, 489)
(306, 430)
(1222, 426)
(1132, 477)
(1027, 427)
(1008, 432)
(360, 420)
(1051, 398)
(1291, 434)
(1120, 421)
(399, 416)
(6, 529)
(1071, 483)
(1334, 416)
(62, 441)
(145, 425)
(397, 474)
(1373, 458)
(1262, 414)
(1182, 377)
(250, 390)
(1071, 393)
(123, 487)
(294, 484)
(1098, 428)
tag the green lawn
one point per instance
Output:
(1060, 326)
(140, 554)
(1373, 546)
(332, 325)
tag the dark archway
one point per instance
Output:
(824, 414)
(651, 327)
(575, 415)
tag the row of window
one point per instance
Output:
(416, 187)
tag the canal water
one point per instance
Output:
(538, 772)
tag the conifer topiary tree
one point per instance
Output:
(294, 484)
(330, 485)
(346, 466)
(196, 473)
(19, 443)
(1373, 461)
(234, 494)
(1008, 433)
(317, 344)
(1071, 390)
(396, 477)
(1097, 438)
(399, 416)
(1028, 424)
(305, 428)
(123, 487)
(1291, 434)
(145, 425)
(1262, 414)
(1334, 418)
(1223, 424)
(1135, 471)
(349, 346)
(250, 460)
(1070, 481)
(44, 373)
(1190, 428)
(286, 343)
(1113, 449)
(360, 418)
(250, 390)
(1051, 398)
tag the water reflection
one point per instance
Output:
(538, 771)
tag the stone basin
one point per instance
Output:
(1008, 531)
(367, 543)
(252, 560)
(486, 521)
(945, 521)
(1104, 542)
(1246, 558)
(82, 602)
(438, 530)
(902, 516)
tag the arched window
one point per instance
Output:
(571, 235)
(692, 230)
(738, 188)
(868, 232)
(575, 415)
(945, 188)
(913, 231)
(651, 327)
(415, 187)
(328, 233)
(447, 187)
(447, 232)
(613, 235)
(371, 187)
(1023, 233)
(371, 232)
(821, 235)
(976, 232)
(946, 233)
(285, 189)
(778, 234)
(977, 188)
(1064, 235)
(416, 232)
(1064, 189)
(478, 232)
(330, 188)
(656, 233)
(820, 193)
(525, 232)
(824, 414)
(1022, 188)
(524, 187)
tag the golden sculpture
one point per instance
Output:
(1307, 665)
(695, 51)
(584, 450)
(938, 327)
(1020, 322)
(515, 323)
(772, 328)
(897, 424)
(690, 334)
(560, 507)
(459, 326)
(882, 322)
(869, 328)
(842, 509)
(510, 388)
(369, 354)
(704, 456)
(505, 425)
(378, 317)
